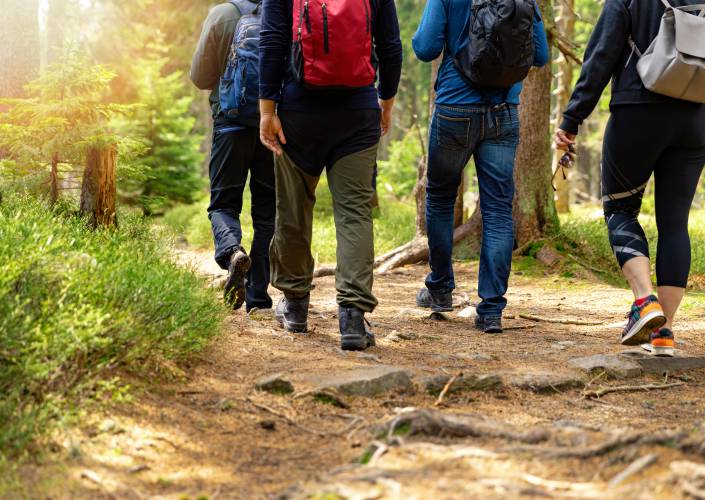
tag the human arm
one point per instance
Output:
(429, 40)
(602, 55)
(275, 47)
(213, 46)
(541, 51)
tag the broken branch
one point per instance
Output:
(630, 388)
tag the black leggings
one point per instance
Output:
(667, 140)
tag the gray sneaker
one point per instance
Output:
(292, 314)
(437, 302)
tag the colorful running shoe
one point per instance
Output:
(643, 319)
(663, 343)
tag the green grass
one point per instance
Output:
(78, 307)
(584, 234)
(394, 224)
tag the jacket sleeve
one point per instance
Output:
(388, 48)
(603, 52)
(430, 37)
(274, 48)
(211, 53)
(541, 51)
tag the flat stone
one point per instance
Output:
(563, 344)
(659, 365)
(616, 366)
(469, 356)
(275, 384)
(465, 383)
(545, 381)
(468, 312)
(410, 313)
(396, 336)
(367, 381)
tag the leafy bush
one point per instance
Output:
(76, 305)
(398, 174)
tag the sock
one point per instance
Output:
(640, 302)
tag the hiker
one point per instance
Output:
(229, 43)
(476, 115)
(647, 133)
(320, 110)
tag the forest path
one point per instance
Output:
(518, 407)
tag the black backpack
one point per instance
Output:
(500, 50)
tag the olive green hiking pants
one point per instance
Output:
(291, 262)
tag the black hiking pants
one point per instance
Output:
(235, 154)
(668, 141)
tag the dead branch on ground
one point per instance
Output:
(559, 321)
(597, 393)
(435, 423)
(447, 387)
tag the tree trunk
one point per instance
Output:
(565, 24)
(459, 210)
(19, 45)
(56, 23)
(98, 190)
(420, 189)
(54, 179)
(534, 206)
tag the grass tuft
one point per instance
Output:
(78, 306)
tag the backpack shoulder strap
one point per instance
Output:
(667, 4)
(245, 6)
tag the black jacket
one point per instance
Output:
(609, 55)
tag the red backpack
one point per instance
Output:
(333, 43)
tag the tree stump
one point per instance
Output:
(98, 191)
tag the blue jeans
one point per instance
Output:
(491, 136)
(235, 154)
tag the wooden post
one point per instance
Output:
(98, 191)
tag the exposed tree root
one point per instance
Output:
(597, 393)
(609, 446)
(559, 321)
(435, 423)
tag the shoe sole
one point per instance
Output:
(659, 351)
(292, 327)
(641, 332)
(356, 343)
(493, 330)
(236, 294)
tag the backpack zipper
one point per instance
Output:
(307, 17)
(367, 15)
(326, 47)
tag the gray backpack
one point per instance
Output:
(674, 63)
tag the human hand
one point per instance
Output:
(563, 140)
(270, 128)
(387, 107)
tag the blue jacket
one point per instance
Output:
(443, 29)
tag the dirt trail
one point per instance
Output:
(219, 437)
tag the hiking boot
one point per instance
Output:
(643, 319)
(489, 324)
(292, 314)
(354, 334)
(234, 289)
(437, 302)
(663, 343)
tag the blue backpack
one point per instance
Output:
(239, 85)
